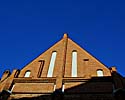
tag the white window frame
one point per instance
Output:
(12, 88)
(54, 87)
(63, 88)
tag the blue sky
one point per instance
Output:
(29, 27)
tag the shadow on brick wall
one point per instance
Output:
(96, 88)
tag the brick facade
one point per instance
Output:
(87, 85)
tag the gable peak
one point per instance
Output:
(65, 35)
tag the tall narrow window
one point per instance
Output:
(52, 63)
(27, 74)
(74, 64)
(100, 73)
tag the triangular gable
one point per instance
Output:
(87, 65)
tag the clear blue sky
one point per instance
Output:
(29, 27)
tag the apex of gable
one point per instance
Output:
(65, 35)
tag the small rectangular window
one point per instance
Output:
(63, 88)
(12, 88)
(86, 59)
(54, 88)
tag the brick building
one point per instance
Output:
(63, 72)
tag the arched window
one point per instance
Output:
(74, 64)
(52, 63)
(99, 72)
(27, 74)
